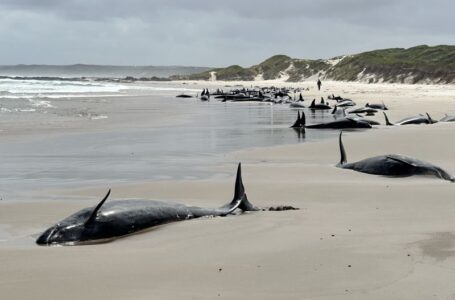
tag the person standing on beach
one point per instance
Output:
(319, 84)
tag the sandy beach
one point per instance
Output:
(356, 236)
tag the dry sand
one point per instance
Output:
(356, 236)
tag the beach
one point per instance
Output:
(356, 236)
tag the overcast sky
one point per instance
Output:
(213, 32)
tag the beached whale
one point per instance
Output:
(415, 120)
(371, 122)
(380, 106)
(315, 106)
(448, 118)
(114, 219)
(343, 123)
(346, 103)
(184, 96)
(297, 105)
(363, 110)
(392, 165)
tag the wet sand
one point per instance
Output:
(356, 236)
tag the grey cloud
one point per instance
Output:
(209, 32)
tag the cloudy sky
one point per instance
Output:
(213, 32)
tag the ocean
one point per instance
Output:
(65, 134)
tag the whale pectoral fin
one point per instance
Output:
(403, 161)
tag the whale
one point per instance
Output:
(315, 106)
(380, 106)
(415, 120)
(296, 105)
(363, 110)
(343, 123)
(371, 122)
(339, 112)
(393, 165)
(448, 118)
(184, 96)
(346, 103)
(108, 221)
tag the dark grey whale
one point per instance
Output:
(315, 106)
(380, 106)
(392, 165)
(448, 118)
(114, 219)
(343, 123)
(363, 110)
(415, 120)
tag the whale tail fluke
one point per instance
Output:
(387, 122)
(343, 158)
(240, 198)
(443, 174)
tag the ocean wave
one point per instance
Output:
(10, 88)
(40, 103)
(99, 117)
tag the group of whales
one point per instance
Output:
(115, 219)
(353, 119)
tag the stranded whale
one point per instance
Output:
(448, 118)
(392, 165)
(343, 123)
(419, 119)
(111, 220)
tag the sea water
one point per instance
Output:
(186, 150)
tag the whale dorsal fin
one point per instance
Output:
(97, 208)
(297, 122)
(334, 109)
(303, 119)
(387, 122)
(240, 199)
(239, 188)
(430, 119)
(343, 158)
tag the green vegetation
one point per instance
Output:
(418, 64)
(305, 68)
(436, 64)
(272, 67)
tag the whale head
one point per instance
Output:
(78, 227)
(69, 231)
(59, 234)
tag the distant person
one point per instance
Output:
(319, 84)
